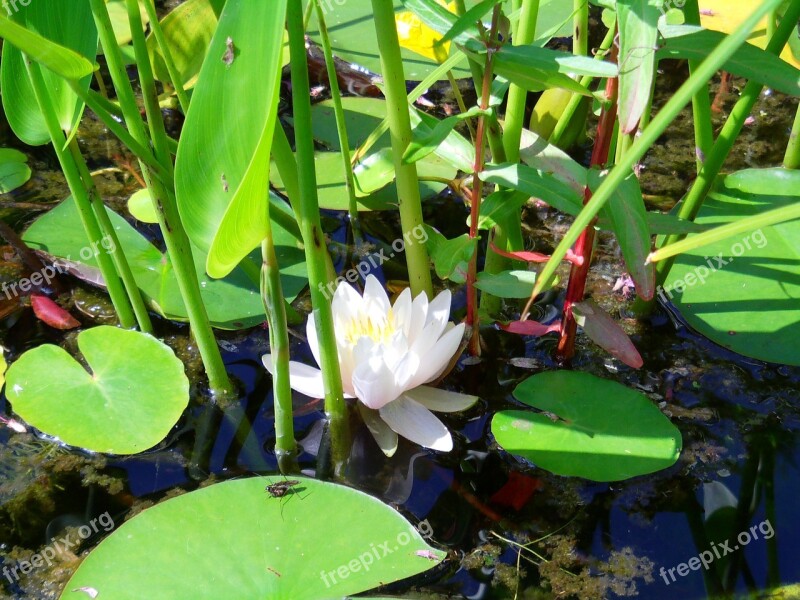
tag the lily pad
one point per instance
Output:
(744, 292)
(132, 395)
(14, 170)
(234, 540)
(590, 427)
(232, 303)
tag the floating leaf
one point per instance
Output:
(233, 302)
(508, 284)
(591, 428)
(133, 394)
(51, 313)
(14, 170)
(742, 292)
(181, 548)
(140, 205)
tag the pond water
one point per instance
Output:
(512, 530)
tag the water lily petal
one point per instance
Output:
(419, 315)
(416, 423)
(304, 379)
(311, 335)
(374, 383)
(439, 312)
(435, 361)
(385, 437)
(346, 303)
(401, 311)
(376, 301)
(440, 400)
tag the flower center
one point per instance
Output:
(379, 330)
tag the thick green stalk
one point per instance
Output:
(341, 128)
(580, 26)
(517, 96)
(72, 174)
(714, 160)
(792, 158)
(177, 241)
(419, 273)
(310, 225)
(275, 307)
(108, 231)
(648, 137)
(174, 74)
(701, 103)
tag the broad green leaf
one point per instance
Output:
(118, 14)
(498, 207)
(222, 166)
(627, 215)
(537, 184)
(188, 29)
(14, 170)
(591, 428)
(140, 205)
(181, 548)
(508, 284)
(450, 257)
(748, 61)
(468, 20)
(454, 149)
(537, 152)
(232, 303)
(742, 292)
(132, 395)
(638, 34)
(60, 36)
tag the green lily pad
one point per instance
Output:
(14, 170)
(744, 292)
(234, 540)
(133, 394)
(591, 428)
(232, 303)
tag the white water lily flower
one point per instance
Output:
(386, 355)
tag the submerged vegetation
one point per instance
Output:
(290, 167)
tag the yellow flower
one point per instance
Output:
(418, 37)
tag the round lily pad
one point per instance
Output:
(590, 427)
(261, 537)
(744, 292)
(133, 393)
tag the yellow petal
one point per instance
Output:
(726, 15)
(414, 35)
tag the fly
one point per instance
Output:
(230, 52)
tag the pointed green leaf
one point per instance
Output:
(638, 34)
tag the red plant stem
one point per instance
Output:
(477, 190)
(583, 247)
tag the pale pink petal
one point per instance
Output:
(304, 379)
(385, 437)
(440, 400)
(416, 423)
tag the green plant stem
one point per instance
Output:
(714, 160)
(462, 107)
(701, 103)
(72, 174)
(580, 26)
(792, 158)
(577, 99)
(175, 237)
(419, 274)
(275, 308)
(311, 227)
(166, 53)
(341, 127)
(116, 251)
(648, 137)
